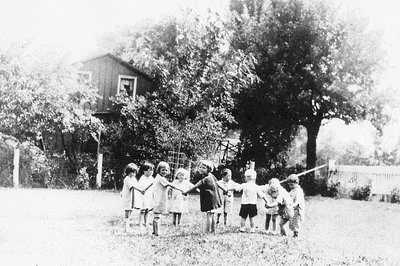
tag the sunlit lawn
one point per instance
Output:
(64, 227)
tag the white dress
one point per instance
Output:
(144, 201)
(179, 202)
(127, 192)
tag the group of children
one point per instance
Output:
(216, 197)
(151, 193)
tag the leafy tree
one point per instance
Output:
(313, 65)
(41, 98)
(196, 74)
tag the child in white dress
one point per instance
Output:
(127, 193)
(227, 198)
(160, 194)
(145, 202)
(179, 202)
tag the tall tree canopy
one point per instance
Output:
(313, 64)
(196, 74)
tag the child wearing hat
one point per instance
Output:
(297, 195)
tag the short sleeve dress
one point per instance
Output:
(160, 194)
(144, 202)
(210, 198)
(127, 192)
(179, 202)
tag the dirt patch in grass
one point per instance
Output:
(63, 227)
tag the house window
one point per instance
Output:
(127, 84)
(85, 77)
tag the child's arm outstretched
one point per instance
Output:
(174, 187)
(194, 187)
(224, 189)
(144, 190)
(137, 188)
(270, 205)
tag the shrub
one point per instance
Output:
(109, 180)
(82, 180)
(361, 193)
(336, 190)
(6, 165)
(395, 195)
(34, 167)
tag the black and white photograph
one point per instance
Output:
(199, 132)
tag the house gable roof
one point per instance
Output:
(122, 62)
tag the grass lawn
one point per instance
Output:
(64, 227)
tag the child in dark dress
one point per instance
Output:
(210, 199)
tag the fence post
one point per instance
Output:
(99, 170)
(16, 168)
(252, 165)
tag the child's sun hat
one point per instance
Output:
(293, 178)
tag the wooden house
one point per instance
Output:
(112, 75)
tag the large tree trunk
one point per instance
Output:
(312, 134)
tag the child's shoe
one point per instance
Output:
(242, 229)
(252, 230)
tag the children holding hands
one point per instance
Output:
(215, 197)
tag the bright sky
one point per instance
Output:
(74, 25)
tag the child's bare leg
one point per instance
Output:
(267, 220)
(218, 215)
(252, 225)
(282, 226)
(127, 217)
(294, 224)
(274, 222)
(212, 228)
(145, 215)
(208, 223)
(242, 225)
(174, 218)
(225, 218)
(156, 224)
(178, 216)
(141, 214)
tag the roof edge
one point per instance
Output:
(121, 61)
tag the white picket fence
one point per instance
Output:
(383, 179)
